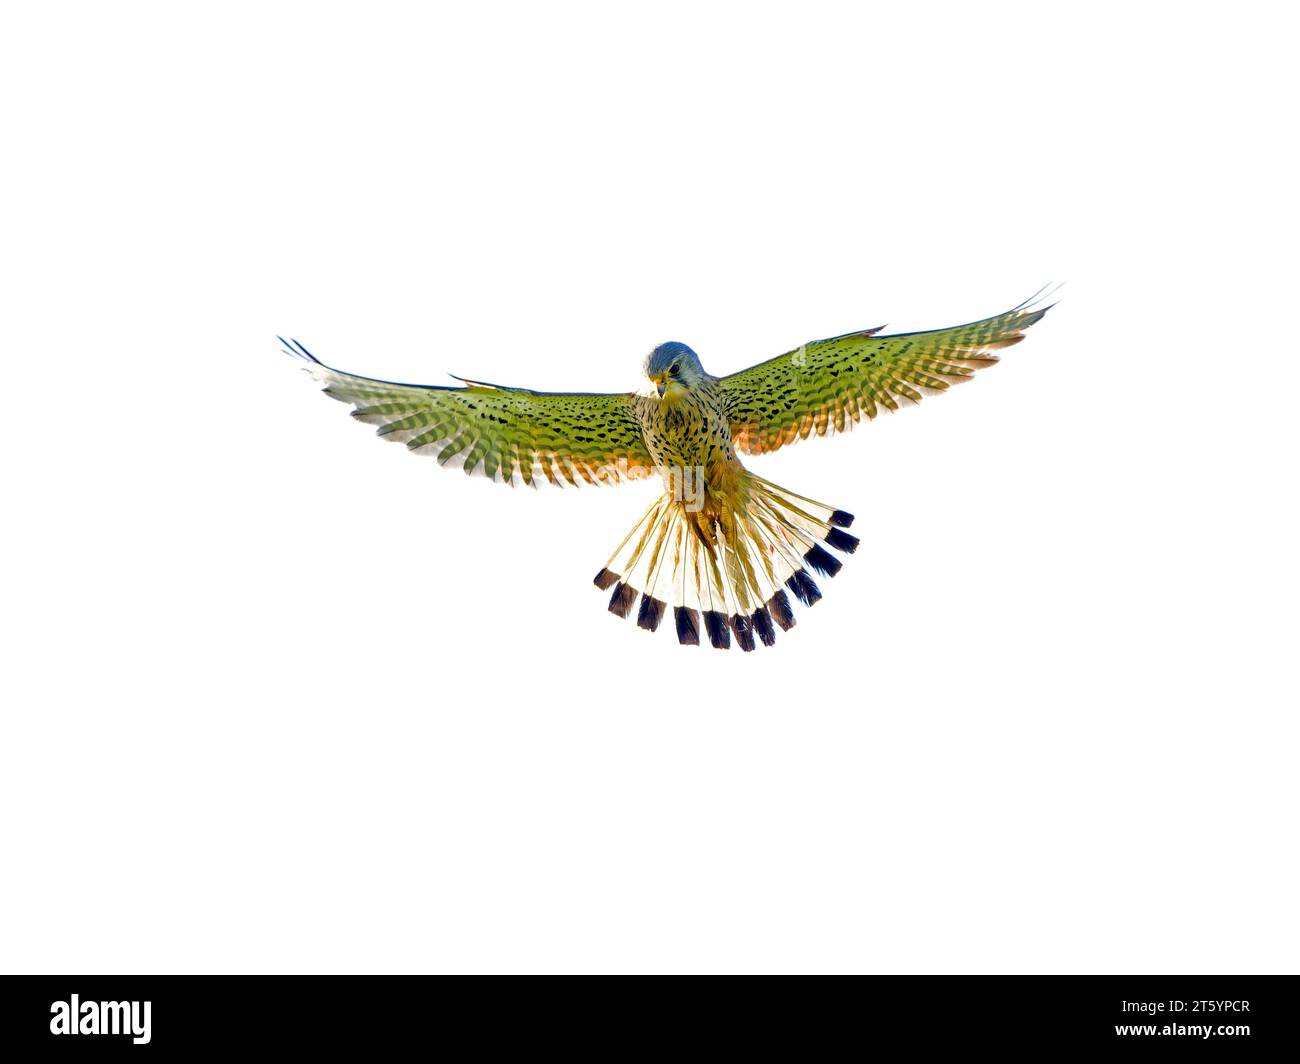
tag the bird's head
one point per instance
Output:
(674, 368)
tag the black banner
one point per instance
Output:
(1220, 1015)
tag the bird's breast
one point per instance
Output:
(690, 433)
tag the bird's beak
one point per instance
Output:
(661, 383)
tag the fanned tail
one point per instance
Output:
(732, 571)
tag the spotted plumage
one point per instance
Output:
(721, 546)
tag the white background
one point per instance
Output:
(280, 697)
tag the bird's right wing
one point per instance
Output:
(501, 433)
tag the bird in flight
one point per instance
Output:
(721, 545)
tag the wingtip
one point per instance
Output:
(296, 349)
(1046, 292)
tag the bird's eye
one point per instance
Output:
(674, 367)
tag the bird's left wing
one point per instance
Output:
(501, 433)
(829, 384)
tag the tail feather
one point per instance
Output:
(804, 587)
(732, 569)
(841, 540)
(823, 561)
(762, 621)
(743, 628)
(715, 624)
(620, 602)
(779, 607)
(688, 626)
(651, 613)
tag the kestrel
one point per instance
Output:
(720, 544)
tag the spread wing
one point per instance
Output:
(502, 433)
(829, 384)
